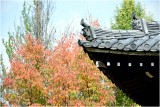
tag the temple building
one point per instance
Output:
(129, 58)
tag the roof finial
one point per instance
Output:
(134, 16)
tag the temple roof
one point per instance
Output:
(143, 39)
(129, 58)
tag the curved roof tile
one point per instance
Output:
(144, 37)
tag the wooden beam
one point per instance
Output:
(100, 64)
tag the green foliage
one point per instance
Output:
(35, 19)
(2, 76)
(14, 38)
(123, 100)
(17, 37)
(27, 19)
(123, 19)
(2, 67)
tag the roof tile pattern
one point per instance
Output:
(144, 37)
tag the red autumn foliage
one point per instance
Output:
(62, 77)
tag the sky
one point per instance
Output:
(66, 11)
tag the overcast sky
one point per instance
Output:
(67, 11)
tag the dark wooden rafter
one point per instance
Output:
(131, 76)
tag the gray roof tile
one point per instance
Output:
(143, 38)
(101, 45)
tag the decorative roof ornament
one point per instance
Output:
(134, 16)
